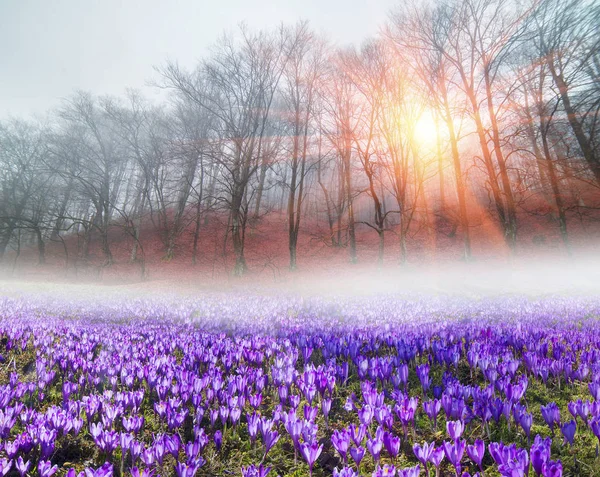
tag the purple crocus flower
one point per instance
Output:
(424, 452)
(186, 469)
(159, 449)
(568, 430)
(552, 469)
(270, 439)
(265, 426)
(234, 415)
(357, 454)
(595, 427)
(125, 440)
(455, 429)
(45, 468)
(311, 452)
(423, 375)
(454, 453)
(105, 471)
(5, 466)
(349, 404)
(310, 413)
(511, 469)
(341, 441)
(294, 401)
(309, 431)
(295, 429)
(437, 456)
(366, 414)
(403, 373)
(526, 420)
(512, 462)
(374, 446)
(22, 467)
(172, 444)
(385, 471)
(476, 452)
(432, 409)
(11, 448)
(357, 433)
(147, 457)
(410, 471)
(137, 472)
(326, 406)
(345, 472)
(551, 414)
(539, 453)
(213, 416)
(254, 471)
(391, 444)
(253, 421)
(218, 438)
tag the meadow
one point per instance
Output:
(257, 384)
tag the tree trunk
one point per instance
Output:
(458, 176)
(292, 247)
(340, 203)
(5, 240)
(381, 248)
(198, 213)
(261, 185)
(17, 252)
(292, 234)
(403, 251)
(511, 232)
(41, 246)
(237, 235)
(539, 157)
(491, 171)
(108, 258)
(330, 220)
(584, 142)
(61, 211)
(560, 209)
(438, 145)
(351, 226)
(211, 191)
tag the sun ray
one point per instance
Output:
(425, 129)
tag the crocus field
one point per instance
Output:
(257, 385)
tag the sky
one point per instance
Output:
(50, 48)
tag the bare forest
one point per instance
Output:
(464, 120)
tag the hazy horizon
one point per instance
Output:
(533, 277)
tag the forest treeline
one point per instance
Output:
(457, 108)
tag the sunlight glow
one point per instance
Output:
(425, 130)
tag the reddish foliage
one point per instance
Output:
(267, 251)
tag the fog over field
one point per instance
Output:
(534, 278)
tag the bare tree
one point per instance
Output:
(303, 72)
(24, 183)
(567, 36)
(417, 33)
(97, 164)
(237, 86)
(368, 71)
(341, 108)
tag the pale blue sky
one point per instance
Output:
(49, 48)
